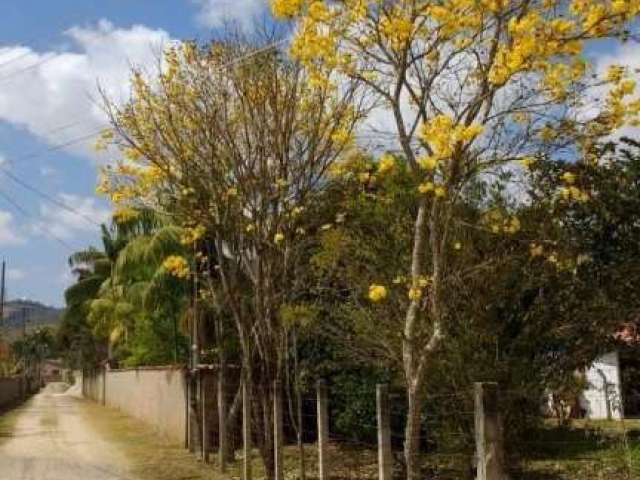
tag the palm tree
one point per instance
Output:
(124, 296)
(93, 270)
(144, 295)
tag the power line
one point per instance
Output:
(26, 69)
(46, 39)
(20, 209)
(67, 126)
(47, 197)
(26, 185)
(58, 146)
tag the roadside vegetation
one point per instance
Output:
(149, 457)
(490, 233)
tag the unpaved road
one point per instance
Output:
(52, 440)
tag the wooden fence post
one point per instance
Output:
(278, 432)
(323, 430)
(488, 432)
(205, 418)
(222, 422)
(385, 459)
(246, 432)
(187, 420)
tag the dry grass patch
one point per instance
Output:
(150, 456)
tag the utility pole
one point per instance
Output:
(2, 288)
(24, 354)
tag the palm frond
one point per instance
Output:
(85, 257)
(83, 290)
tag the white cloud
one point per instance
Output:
(45, 92)
(215, 13)
(65, 223)
(15, 274)
(9, 234)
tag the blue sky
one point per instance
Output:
(51, 56)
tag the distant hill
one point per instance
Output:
(27, 314)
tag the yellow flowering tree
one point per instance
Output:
(471, 85)
(234, 146)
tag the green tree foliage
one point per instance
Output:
(124, 297)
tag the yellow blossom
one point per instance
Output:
(192, 234)
(278, 238)
(568, 178)
(125, 214)
(426, 187)
(176, 266)
(377, 292)
(427, 162)
(386, 163)
(527, 162)
(440, 191)
(614, 73)
(536, 250)
(415, 293)
(286, 8)
(512, 225)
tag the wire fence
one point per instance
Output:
(532, 444)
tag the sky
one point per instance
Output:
(53, 56)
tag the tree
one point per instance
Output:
(32, 349)
(235, 152)
(121, 286)
(151, 296)
(471, 86)
(92, 268)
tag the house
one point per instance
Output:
(613, 379)
(52, 371)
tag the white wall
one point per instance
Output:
(155, 395)
(603, 398)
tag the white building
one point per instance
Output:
(603, 397)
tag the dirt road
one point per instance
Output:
(52, 440)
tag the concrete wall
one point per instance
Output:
(155, 395)
(10, 391)
(93, 385)
(603, 398)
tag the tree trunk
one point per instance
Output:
(412, 348)
(412, 431)
(263, 405)
(301, 459)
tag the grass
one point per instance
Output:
(150, 456)
(589, 450)
(585, 451)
